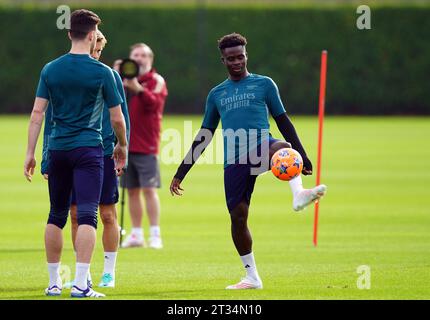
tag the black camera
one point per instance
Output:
(128, 69)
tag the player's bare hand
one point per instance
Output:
(175, 187)
(120, 158)
(307, 167)
(29, 165)
(45, 175)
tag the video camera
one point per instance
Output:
(128, 69)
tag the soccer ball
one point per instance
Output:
(286, 164)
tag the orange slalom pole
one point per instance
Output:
(321, 109)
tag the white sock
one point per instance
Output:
(89, 275)
(54, 274)
(89, 272)
(296, 185)
(154, 231)
(110, 261)
(138, 232)
(81, 275)
(250, 267)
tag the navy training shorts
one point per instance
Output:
(80, 170)
(239, 182)
(110, 193)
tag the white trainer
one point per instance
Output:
(53, 291)
(132, 241)
(155, 243)
(87, 293)
(307, 196)
(246, 283)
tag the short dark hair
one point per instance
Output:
(82, 22)
(231, 40)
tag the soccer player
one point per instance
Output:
(109, 194)
(75, 85)
(243, 103)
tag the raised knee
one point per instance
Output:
(280, 145)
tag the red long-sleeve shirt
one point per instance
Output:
(146, 113)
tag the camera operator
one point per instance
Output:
(147, 94)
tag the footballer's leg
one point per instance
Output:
(108, 199)
(74, 229)
(301, 197)
(239, 229)
(110, 244)
(239, 185)
(87, 180)
(243, 242)
(60, 184)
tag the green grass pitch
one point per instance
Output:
(376, 213)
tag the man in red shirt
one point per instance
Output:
(147, 94)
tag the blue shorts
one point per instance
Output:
(80, 170)
(239, 181)
(109, 194)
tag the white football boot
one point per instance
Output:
(246, 283)
(307, 196)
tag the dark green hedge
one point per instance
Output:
(384, 70)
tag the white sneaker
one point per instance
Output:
(87, 293)
(307, 196)
(53, 291)
(155, 243)
(246, 283)
(108, 281)
(133, 241)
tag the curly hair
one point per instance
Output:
(231, 40)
